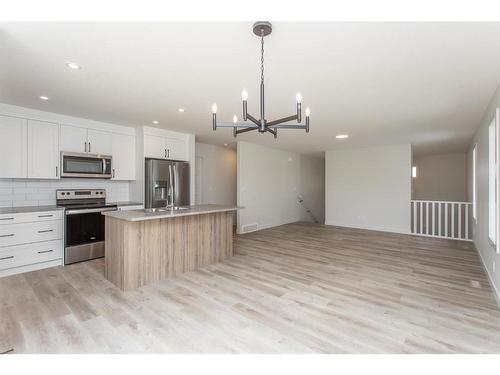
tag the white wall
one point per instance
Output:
(369, 188)
(487, 252)
(269, 182)
(24, 192)
(441, 177)
(216, 179)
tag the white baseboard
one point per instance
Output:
(31, 267)
(496, 292)
(377, 229)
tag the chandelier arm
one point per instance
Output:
(273, 132)
(253, 119)
(239, 131)
(233, 125)
(281, 120)
(289, 126)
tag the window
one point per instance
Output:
(474, 184)
(414, 172)
(492, 182)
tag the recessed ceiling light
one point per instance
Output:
(155, 122)
(225, 144)
(43, 97)
(181, 109)
(342, 136)
(73, 65)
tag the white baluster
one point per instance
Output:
(466, 221)
(439, 218)
(452, 235)
(460, 220)
(446, 219)
(421, 231)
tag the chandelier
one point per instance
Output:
(262, 125)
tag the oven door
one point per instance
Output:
(85, 165)
(84, 239)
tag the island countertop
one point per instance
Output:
(165, 213)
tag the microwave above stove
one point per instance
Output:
(85, 165)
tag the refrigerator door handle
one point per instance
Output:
(171, 185)
(175, 184)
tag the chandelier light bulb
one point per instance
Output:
(308, 111)
(244, 95)
(214, 108)
(298, 97)
(235, 119)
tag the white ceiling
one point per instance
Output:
(421, 83)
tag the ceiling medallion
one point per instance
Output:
(262, 29)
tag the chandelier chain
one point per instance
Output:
(262, 55)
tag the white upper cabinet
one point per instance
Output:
(13, 147)
(154, 147)
(123, 162)
(99, 142)
(176, 149)
(76, 139)
(73, 139)
(159, 147)
(43, 149)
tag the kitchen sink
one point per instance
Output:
(166, 209)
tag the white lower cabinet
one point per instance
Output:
(30, 241)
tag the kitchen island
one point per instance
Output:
(144, 246)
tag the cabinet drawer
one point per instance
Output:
(22, 255)
(17, 234)
(28, 217)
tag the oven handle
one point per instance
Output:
(89, 210)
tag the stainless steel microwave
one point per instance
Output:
(85, 165)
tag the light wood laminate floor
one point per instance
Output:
(298, 288)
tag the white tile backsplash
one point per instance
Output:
(23, 192)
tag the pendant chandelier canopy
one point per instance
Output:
(262, 125)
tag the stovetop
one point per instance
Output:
(82, 198)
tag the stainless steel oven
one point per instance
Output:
(85, 165)
(84, 224)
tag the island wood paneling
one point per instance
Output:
(141, 252)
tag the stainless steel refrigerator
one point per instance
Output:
(167, 183)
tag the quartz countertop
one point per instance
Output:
(164, 213)
(27, 209)
(125, 203)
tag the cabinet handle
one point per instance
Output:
(165, 152)
(45, 251)
(45, 231)
(168, 153)
(113, 173)
(5, 258)
(7, 235)
(85, 146)
(57, 171)
(7, 218)
(89, 146)
(45, 215)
